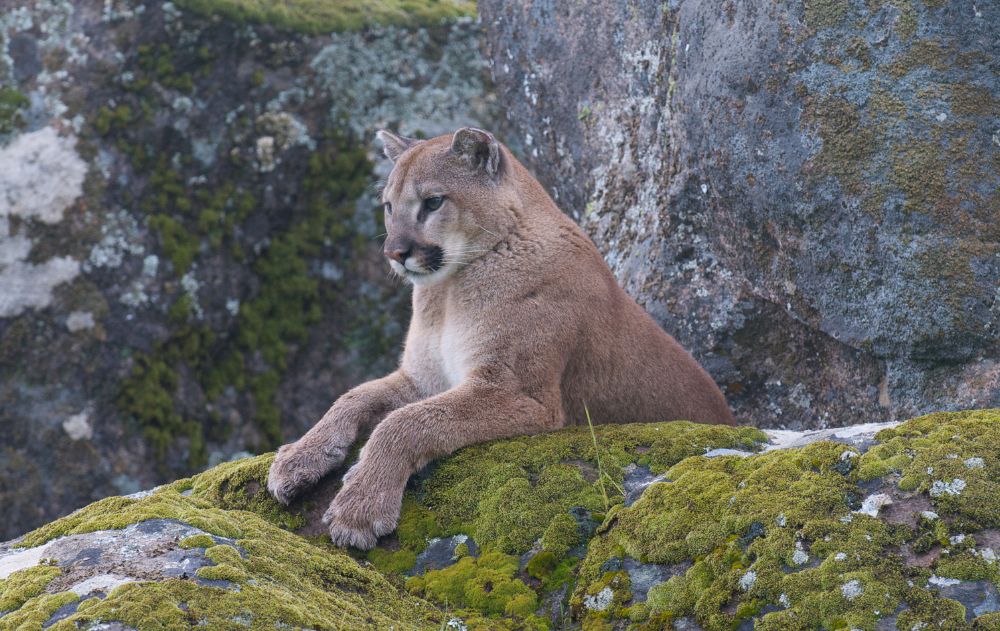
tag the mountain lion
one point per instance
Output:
(517, 325)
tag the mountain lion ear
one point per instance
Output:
(394, 145)
(478, 148)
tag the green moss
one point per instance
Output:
(286, 306)
(180, 246)
(417, 525)
(147, 396)
(207, 220)
(940, 446)
(928, 612)
(507, 494)
(237, 487)
(197, 541)
(240, 485)
(486, 584)
(158, 61)
(36, 612)
(779, 527)
(316, 16)
(11, 104)
(23, 585)
(561, 534)
(283, 578)
(228, 566)
(604, 598)
(108, 118)
(392, 561)
(542, 564)
(772, 530)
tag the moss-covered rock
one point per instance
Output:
(192, 257)
(730, 527)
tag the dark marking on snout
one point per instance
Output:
(432, 257)
(426, 255)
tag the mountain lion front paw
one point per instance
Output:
(361, 513)
(296, 468)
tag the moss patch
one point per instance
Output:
(249, 356)
(486, 584)
(780, 530)
(23, 585)
(508, 494)
(11, 104)
(283, 579)
(318, 16)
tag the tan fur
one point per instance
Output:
(522, 327)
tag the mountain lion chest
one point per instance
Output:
(441, 357)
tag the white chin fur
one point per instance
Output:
(418, 277)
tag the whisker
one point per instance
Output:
(485, 230)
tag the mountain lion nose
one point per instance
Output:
(398, 254)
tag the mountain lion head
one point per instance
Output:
(443, 202)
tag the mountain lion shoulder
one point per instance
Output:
(517, 325)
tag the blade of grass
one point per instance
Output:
(597, 452)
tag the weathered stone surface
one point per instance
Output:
(774, 536)
(805, 194)
(189, 261)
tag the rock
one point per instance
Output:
(719, 547)
(440, 553)
(216, 557)
(188, 231)
(804, 194)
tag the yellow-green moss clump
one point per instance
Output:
(782, 530)
(486, 583)
(323, 16)
(283, 579)
(508, 494)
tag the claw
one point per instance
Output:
(343, 535)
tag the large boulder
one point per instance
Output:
(806, 194)
(189, 261)
(657, 526)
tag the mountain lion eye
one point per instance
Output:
(433, 203)
(388, 208)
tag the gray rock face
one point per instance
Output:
(189, 261)
(807, 198)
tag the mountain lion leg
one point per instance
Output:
(367, 506)
(301, 464)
